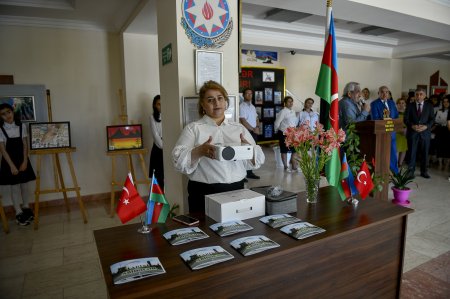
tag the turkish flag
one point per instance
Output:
(363, 181)
(130, 203)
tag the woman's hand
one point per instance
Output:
(243, 140)
(23, 166)
(14, 170)
(204, 150)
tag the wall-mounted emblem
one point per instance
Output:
(207, 22)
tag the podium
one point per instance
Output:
(375, 142)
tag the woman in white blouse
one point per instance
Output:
(286, 118)
(156, 156)
(194, 152)
(308, 114)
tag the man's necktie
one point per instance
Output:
(419, 109)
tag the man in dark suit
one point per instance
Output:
(381, 108)
(419, 117)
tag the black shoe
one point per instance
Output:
(253, 176)
(425, 175)
(28, 214)
(21, 219)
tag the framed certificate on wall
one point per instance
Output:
(208, 66)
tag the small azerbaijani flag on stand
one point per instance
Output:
(157, 206)
(327, 90)
(347, 187)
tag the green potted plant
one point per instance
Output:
(400, 189)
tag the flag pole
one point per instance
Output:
(145, 229)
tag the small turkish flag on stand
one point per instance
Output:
(130, 203)
(363, 181)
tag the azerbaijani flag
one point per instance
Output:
(157, 206)
(327, 89)
(347, 187)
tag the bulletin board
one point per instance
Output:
(268, 85)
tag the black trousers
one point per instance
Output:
(419, 143)
(197, 192)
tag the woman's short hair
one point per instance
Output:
(286, 98)
(207, 86)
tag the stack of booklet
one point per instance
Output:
(253, 244)
(131, 270)
(204, 257)
(302, 230)
(184, 235)
(230, 227)
(279, 220)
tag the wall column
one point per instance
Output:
(177, 79)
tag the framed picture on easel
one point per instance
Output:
(23, 106)
(124, 137)
(49, 135)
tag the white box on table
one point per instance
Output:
(235, 205)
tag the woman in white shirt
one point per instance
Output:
(286, 118)
(156, 156)
(308, 114)
(194, 152)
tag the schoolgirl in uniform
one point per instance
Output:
(15, 167)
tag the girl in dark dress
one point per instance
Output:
(15, 167)
(156, 156)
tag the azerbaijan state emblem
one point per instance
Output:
(207, 22)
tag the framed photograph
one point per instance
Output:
(190, 110)
(268, 131)
(49, 135)
(208, 66)
(124, 137)
(268, 76)
(258, 111)
(277, 97)
(278, 109)
(258, 97)
(30, 99)
(268, 113)
(231, 112)
(23, 106)
(268, 92)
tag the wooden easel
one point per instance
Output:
(3, 216)
(128, 154)
(58, 176)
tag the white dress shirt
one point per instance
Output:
(312, 116)
(156, 128)
(286, 118)
(210, 171)
(13, 131)
(248, 112)
(441, 117)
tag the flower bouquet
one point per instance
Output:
(314, 148)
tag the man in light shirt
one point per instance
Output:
(249, 119)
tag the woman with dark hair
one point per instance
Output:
(442, 134)
(308, 114)
(286, 118)
(15, 168)
(195, 151)
(156, 156)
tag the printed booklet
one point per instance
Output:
(206, 256)
(184, 235)
(131, 270)
(230, 227)
(279, 220)
(302, 230)
(253, 244)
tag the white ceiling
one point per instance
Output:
(414, 36)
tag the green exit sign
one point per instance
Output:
(167, 54)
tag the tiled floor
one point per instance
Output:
(60, 259)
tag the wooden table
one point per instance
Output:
(360, 255)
